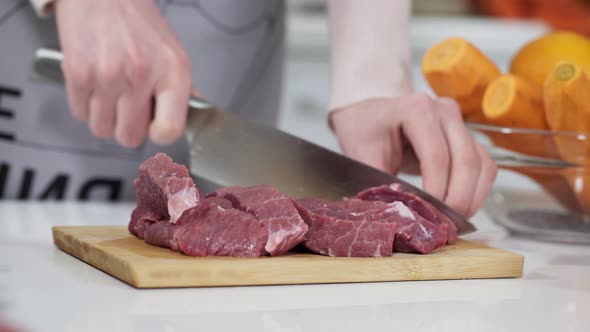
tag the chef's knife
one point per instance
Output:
(228, 150)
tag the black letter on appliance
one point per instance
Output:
(12, 92)
(113, 185)
(26, 184)
(4, 169)
(56, 188)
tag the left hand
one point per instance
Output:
(416, 133)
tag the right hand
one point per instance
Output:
(420, 135)
(118, 55)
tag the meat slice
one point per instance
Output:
(212, 228)
(254, 221)
(221, 232)
(164, 189)
(412, 232)
(141, 219)
(161, 234)
(426, 210)
(275, 211)
(335, 231)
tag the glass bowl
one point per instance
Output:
(543, 187)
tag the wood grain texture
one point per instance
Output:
(113, 250)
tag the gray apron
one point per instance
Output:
(237, 51)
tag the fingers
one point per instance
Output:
(102, 116)
(78, 80)
(423, 129)
(454, 167)
(103, 102)
(466, 163)
(170, 117)
(116, 99)
(172, 92)
(487, 176)
(133, 118)
(118, 56)
(134, 108)
(375, 156)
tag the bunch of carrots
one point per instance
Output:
(547, 88)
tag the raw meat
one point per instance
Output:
(336, 231)
(394, 193)
(221, 232)
(161, 234)
(141, 219)
(274, 209)
(412, 232)
(211, 229)
(182, 199)
(164, 190)
(255, 221)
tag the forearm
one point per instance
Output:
(370, 50)
(43, 7)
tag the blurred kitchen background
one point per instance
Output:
(497, 27)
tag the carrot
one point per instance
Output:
(457, 69)
(511, 101)
(567, 104)
(567, 98)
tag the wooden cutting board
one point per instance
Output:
(113, 250)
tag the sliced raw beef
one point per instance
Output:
(161, 234)
(412, 232)
(255, 221)
(211, 229)
(221, 232)
(164, 190)
(275, 211)
(141, 219)
(336, 231)
(394, 193)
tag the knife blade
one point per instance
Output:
(228, 150)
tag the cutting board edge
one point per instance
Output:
(509, 263)
(121, 270)
(504, 267)
(147, 284)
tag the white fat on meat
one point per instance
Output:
(378, 251)
(395, 186)
(180, 201)
(401, 209)
(275, 239)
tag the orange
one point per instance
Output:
(535, 60)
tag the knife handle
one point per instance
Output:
(47, 64)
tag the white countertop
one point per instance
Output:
(44, 289)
